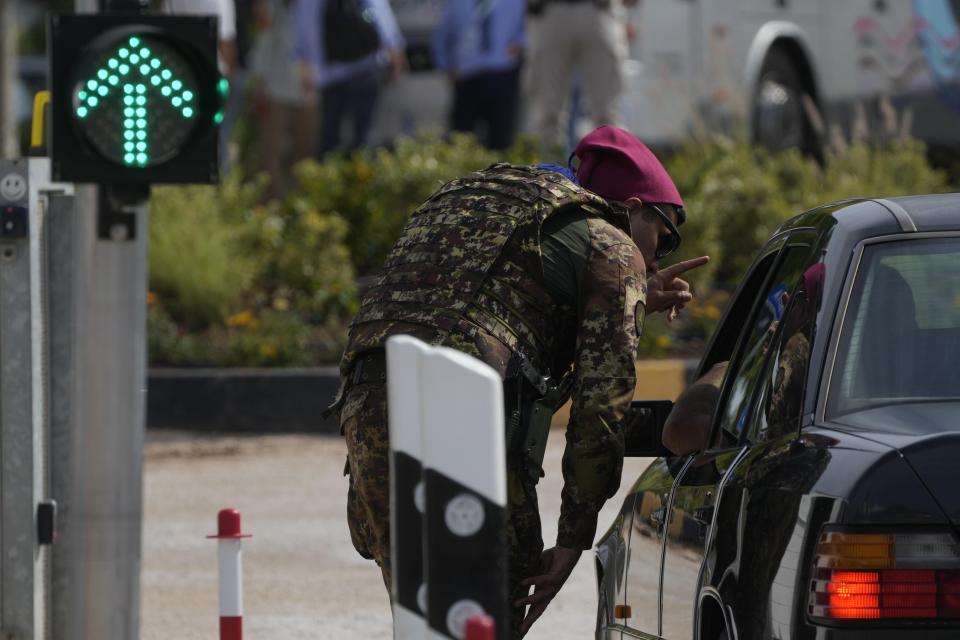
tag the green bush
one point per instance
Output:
(737, 195)
(375, 191)
(300, 258)
(234, 282)
(270, 338)
(198, 265)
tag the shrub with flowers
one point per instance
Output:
(238, 282)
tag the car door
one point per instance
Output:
(640, 611)
(701, 484)
(641, 604)
(771, 481)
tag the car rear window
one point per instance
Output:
(900, 342)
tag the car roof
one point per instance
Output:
(866, 217)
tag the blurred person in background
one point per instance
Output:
(574, 39)
(226, 13)
(284, 109)
(479, 44)
(347, 48)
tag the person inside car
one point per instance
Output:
(687, 428)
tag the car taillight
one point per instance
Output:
(885, 576)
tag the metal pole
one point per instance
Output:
(9, 147)
(98, 378)
(28, 201)
(98, 452)
(21, 471)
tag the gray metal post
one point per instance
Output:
(23, 562)
(8, 77)
(25, 594)
(72, 411)
(98, 342)
(98, 406)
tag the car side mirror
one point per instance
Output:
(643, 429)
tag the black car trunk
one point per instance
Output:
(919, 431)
(936, 460)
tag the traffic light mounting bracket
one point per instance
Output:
(116, 213)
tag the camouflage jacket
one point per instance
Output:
(467, 273)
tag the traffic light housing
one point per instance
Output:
(135, 99)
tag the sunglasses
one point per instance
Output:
(669, 243)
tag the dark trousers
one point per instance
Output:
(488, 101)
(354, 98)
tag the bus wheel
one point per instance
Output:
(778, 117)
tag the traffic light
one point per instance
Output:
(136, 99)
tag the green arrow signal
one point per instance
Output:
(137, 70)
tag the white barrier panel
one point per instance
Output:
(406, 539)
(452, 405)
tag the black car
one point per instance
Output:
(825, 502)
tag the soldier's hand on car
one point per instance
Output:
(556, 564)
(666, 291)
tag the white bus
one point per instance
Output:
(714, 63)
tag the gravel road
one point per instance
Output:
(302, 578)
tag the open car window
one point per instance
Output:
(731, 325)
(900, 340)
(747, 364)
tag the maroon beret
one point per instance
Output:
(813, 283)
(616, 166)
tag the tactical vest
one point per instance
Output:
(468, 262)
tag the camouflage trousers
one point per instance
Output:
(363, 420)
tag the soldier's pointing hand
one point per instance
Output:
(667, 291)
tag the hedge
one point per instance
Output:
(235, 281)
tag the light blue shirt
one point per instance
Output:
(475, 36)
(310, 47)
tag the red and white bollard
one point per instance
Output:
(231, 574)
(481, 627)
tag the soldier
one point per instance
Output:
(542, 276)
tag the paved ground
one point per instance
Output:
(302, 577)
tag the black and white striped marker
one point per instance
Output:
(448, 491)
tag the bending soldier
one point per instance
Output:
(546, 276)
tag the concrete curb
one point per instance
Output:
(291, 400)
(242, 400)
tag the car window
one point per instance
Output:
(733, 321)
(768, 310)
(788, 360)
(900, 339)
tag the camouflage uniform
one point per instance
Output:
(467, 274)
(783, 410)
